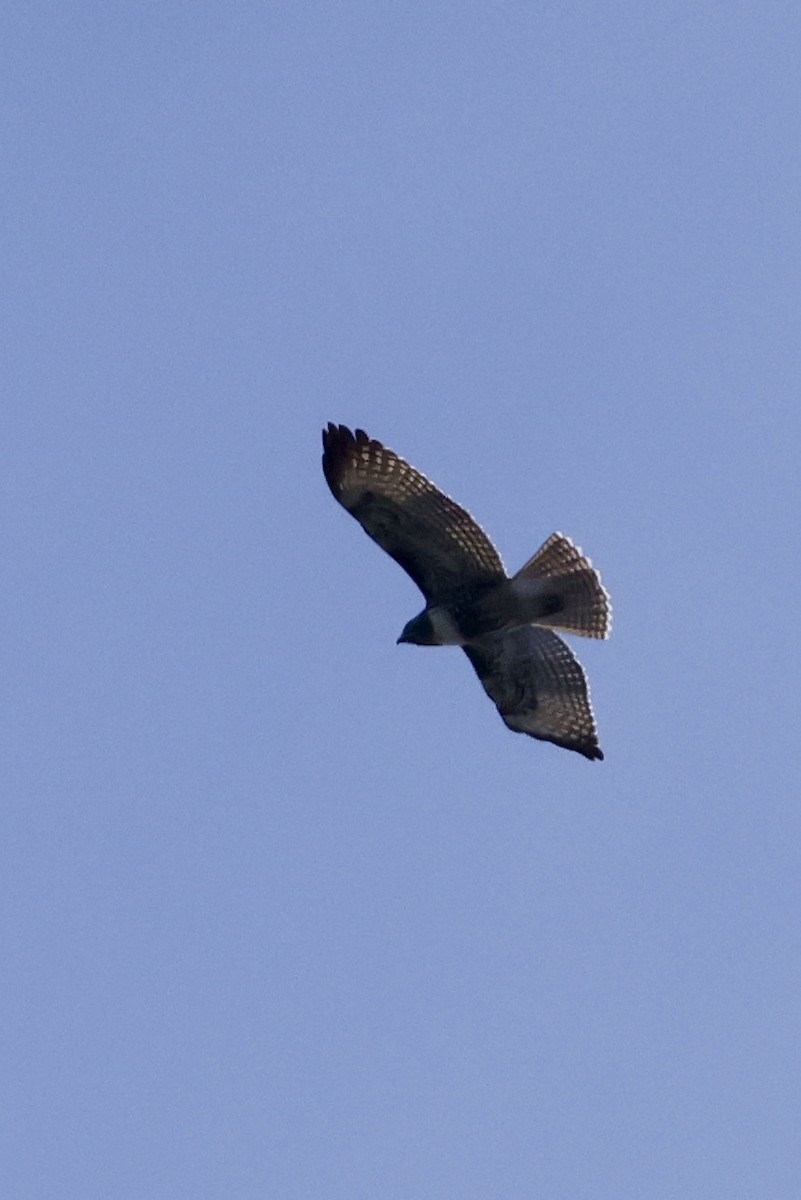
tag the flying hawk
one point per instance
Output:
(504, 625)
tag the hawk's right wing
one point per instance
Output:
(538, 686)
(439, 544)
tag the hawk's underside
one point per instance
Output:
(505, 626)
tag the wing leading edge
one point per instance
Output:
(432, 537)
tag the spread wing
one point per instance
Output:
(538, 686)
(428, 534)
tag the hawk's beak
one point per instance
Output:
(402, 638)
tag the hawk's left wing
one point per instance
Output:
(538, 686)
(432, 537)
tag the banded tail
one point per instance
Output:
(564, 590)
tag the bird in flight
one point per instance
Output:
(505, 625)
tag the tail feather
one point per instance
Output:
(565, 590)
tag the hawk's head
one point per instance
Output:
(419, 631)
(432, 627)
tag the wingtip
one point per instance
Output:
(334, 432)
(336, 443)
(339, 443)
(339, 440)
(592, 752)
(334, 435)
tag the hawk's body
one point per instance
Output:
(504, 625)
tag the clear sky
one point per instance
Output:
(285, 910)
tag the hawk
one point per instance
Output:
(505, 625)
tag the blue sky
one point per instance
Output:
(285, 910)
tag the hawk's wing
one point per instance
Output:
(538, 686)
(433, 539)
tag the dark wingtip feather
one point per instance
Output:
(338, 446)
(336, 436)
(587, 750)
(338, 442)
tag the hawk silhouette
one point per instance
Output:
(504, 625)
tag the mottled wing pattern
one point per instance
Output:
(538, 686)
(428, 534)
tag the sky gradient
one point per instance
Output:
(285, 910)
